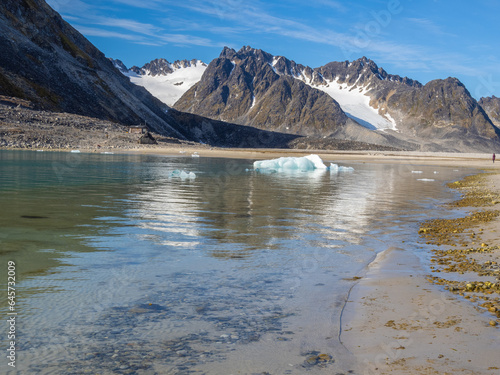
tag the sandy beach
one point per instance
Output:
(397, 322)
(473, 160)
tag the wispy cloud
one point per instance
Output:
(130, 25)
(144, 4)
(337, 5)
(213, 23)
(91, 31)
(430, 27)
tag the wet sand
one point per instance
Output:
(398, 322)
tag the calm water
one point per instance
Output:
(122, 269)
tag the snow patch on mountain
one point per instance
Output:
(356, 105)
(169, 88)
(353, 100)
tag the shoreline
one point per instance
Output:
(398, 319)
(473, 160)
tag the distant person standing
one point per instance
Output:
(494, 157)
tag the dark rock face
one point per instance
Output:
(491, 106)
(246, 88)
(362, 72)
(439, 107)
(48, 62)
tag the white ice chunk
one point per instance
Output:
(303, 164)
(417, 172)
(426, 179)
(335, 168)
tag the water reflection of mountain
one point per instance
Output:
(239, 212)
(231, 211)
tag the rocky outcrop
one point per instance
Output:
(254, 88)
(246, 88)
(48, 62)
(491, 105)
(441, 108)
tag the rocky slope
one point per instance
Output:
(47, 62)
(22, 126)
(491, 106)
(252, 87)
(244, 87)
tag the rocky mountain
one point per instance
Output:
(251, 87)
(491, 106)
(167, 81)
(47, 62)
(254, 88)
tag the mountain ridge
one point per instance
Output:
(439, 114)
(47, 62)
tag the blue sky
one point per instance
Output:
(421, 39)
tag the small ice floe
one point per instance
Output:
(182, 174)
(302, 164)
(436, 172)
(417, 172)
(39, 150)
(75, 151)
(426, 179)
(195, 155)
(107, 153)
(182, 152)
(335, 168)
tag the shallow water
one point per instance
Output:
(123, 268)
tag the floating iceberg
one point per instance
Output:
(183, 175)
(303, 164)
(335, 168)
